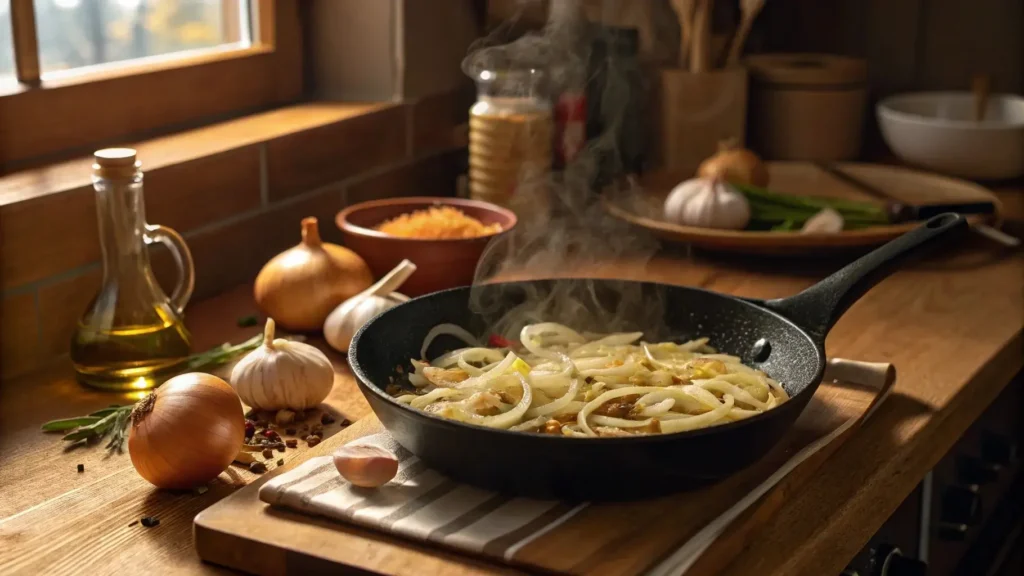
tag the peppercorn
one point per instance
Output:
(345, 422)
(312, 440)
(291, 443)
(250, 428)
(258, 467)
(280, 462)
(150, 521)
(268, 453)
(326, 419)
(81, 468)
(279, 447)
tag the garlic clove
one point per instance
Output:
(345, 320)
(366, 466)
(827, 221)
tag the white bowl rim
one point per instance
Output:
(884, 108)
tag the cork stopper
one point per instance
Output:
(115, 163)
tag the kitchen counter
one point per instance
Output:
(952, 325)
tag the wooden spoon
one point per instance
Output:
(684, 12)
(749, 9)
(700, 53)
(980, 85)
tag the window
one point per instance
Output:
(80, 33)
(77, 73)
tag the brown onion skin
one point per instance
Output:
(736, 166)
(190, 434)
(299, 287)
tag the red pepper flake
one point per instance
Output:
(498, 341)
(133, 523)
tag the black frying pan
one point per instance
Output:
(783, 337)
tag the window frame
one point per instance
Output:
(43, 120)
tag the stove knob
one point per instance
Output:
(961, 504)
(952, 531)
(998, 448)
(973, 470)
(888, 560)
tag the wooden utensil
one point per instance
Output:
(749, 9)
(980, 86)
(684, 12)
(700, 53)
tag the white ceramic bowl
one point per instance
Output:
(936, 130)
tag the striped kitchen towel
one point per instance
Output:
(420, 504)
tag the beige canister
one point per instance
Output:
(509, 151)
(806, 106)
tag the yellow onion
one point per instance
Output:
(302, 285)
(736, 165)
(186, 432)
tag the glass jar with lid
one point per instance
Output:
(510, 139)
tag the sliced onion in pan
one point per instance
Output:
(449, 329)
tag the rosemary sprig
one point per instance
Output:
(113, 420)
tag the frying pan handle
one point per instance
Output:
(818, 308)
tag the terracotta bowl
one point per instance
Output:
(440, 264)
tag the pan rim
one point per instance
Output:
(366, 384)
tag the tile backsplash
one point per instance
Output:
(236, 209)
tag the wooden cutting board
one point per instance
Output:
(620, 538)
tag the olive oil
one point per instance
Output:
(129, 357)
(132, 336)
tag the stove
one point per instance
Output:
(965, 518)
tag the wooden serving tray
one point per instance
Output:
(803, 178)
(618, 538)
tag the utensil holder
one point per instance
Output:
(697, 111)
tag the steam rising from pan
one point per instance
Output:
(578, 235)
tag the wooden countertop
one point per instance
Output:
(952, 325)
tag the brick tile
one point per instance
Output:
(433, 176)
(47, 235)
(61, 304)
(191, 194)
(19, 335)
(307, 160)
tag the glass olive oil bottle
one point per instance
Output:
(132, 337)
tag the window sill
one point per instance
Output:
(186, 146)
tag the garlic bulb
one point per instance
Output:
(827, 221)
(300, 286)
(283, 374)
(707, 203)
(342, 324)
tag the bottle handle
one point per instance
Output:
(182, 257)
